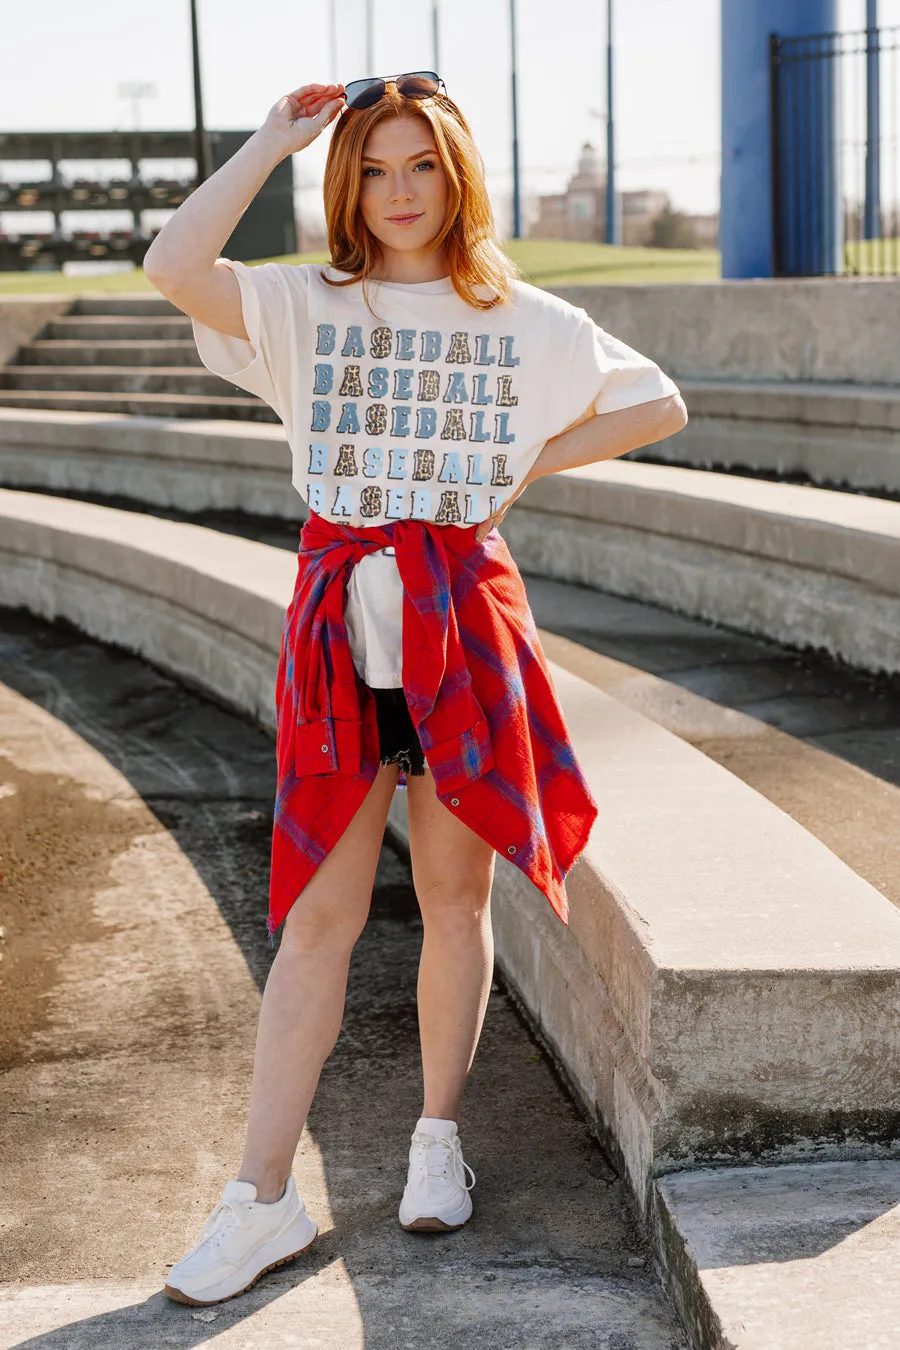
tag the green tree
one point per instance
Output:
(672, 229)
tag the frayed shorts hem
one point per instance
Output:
(397, 737)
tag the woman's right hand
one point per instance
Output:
(298, 118)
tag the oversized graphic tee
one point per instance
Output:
(426, 409)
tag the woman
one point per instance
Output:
(422, 385)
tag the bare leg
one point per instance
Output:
(452, 870)
(303, 1001)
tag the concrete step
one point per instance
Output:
(103, 328)
(787, 1258)
(726, 990)
(811, 402)
(121, 352)
(125, 304)
(118, 380)
(834, 434)
(140, 404)
(801, 565)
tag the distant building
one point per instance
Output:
(580, 211)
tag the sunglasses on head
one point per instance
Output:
(414, 84)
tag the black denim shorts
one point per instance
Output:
(397, 737)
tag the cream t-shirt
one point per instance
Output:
(430, 409)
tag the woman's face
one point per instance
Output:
(402, 175)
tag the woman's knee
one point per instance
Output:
(463, 901)
(327, 927)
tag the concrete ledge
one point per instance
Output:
(784, 1258)
(749, 924)
(801, 565)
(194, 465)
(819, 329)
(804, 566)
(837, 434)
(727, 989)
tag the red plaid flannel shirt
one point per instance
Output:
(479, 693)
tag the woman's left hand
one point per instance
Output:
(485, 526)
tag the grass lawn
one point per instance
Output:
(549, 263)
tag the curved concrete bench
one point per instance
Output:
(726, 990)
(722, 969)
(840, 435)
(194, 465)
(797, 564)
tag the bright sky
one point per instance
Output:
(61, 72)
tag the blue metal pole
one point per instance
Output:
(808, 152)
(612, 215)
(872, 212)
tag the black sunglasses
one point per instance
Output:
(414, 84)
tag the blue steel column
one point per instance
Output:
(872, 217)
(746, 233)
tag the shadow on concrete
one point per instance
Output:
(554, 1255)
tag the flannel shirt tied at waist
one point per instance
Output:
(479, 693)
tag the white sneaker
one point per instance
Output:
(241, 1240)
(436, 1195)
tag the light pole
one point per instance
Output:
(202, 148)
(370, 36)
(332, 40)
(612, 216)
(517, 201)
(136, 91)
(435, 32)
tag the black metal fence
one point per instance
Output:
(835, 160)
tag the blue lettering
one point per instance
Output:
(349, 423)
(426, 423)
(373, 462)
(378, 382)
(321, 415)
(398, 463)
(327, 334)
(431, 346)
(400, 421)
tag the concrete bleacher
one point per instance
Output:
(723, 1001)
(806, 405)
(836, 435)
(797, 564)
(779, 376)
(725, 1010)
(131, 354)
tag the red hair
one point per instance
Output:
(469, 232)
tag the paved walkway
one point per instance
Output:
(135, 817)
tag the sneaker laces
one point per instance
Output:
(450, 1158)
(227, 1214)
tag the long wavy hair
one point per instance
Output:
(469, 232)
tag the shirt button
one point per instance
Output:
(454, 801)
(324, 749)
(511, 849)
